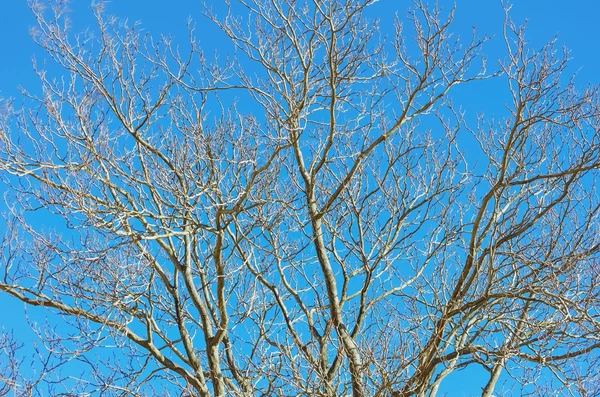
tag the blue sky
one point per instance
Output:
(574, 25)
(574, 22)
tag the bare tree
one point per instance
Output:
(312, 216)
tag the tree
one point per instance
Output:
(311, 216)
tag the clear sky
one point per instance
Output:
(575, 22)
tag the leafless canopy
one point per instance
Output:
(307, 216)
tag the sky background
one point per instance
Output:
(575, 23)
